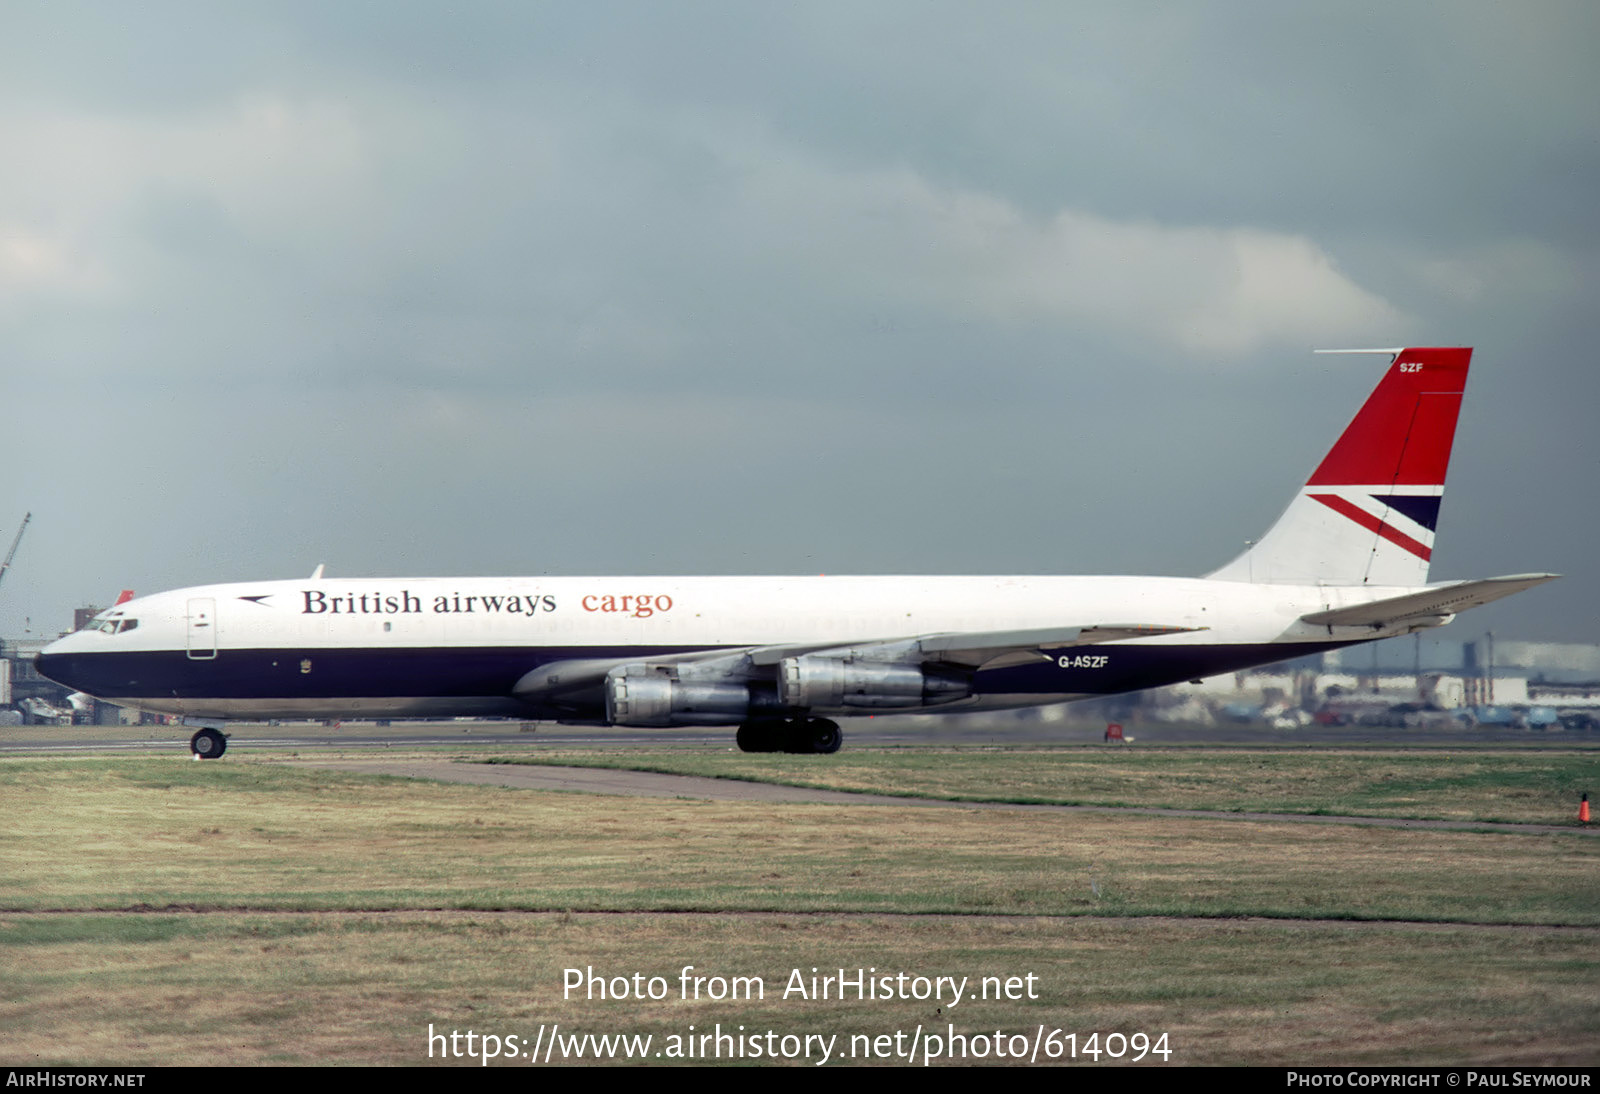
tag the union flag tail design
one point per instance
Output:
(1368, 514)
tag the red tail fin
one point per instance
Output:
(1402, 434)
(1368, 514)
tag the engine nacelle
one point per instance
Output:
(653, 695)
(845, 684)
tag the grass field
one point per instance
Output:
(1519, 786)
(161, 911)
(237, 989)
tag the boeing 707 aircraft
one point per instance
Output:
(781, 657)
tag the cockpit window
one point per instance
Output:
(111, 626)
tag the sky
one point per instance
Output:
(894, 287)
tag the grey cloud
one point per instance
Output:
(724, 287)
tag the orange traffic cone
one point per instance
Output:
(1583, 810)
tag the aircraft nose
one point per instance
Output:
(56, 664)
(49, 665)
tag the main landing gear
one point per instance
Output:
(208, 743)
(813, 735)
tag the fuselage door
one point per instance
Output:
(202, 628)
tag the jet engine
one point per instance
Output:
(655, 695)
(841, 685)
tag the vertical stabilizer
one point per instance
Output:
(1368, 513)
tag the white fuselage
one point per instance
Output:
(442, 646)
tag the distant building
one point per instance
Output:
(23, 688)
(34, 698)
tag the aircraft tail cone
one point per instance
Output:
(1583, 810)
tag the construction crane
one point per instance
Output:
(11, 554)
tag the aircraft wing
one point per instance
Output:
(567, 681)
(1432, 605)
(972, 649)
(997, 649)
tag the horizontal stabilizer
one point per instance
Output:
(1444, 600)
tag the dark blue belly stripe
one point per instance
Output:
(478, 672)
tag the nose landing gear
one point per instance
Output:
(208, 743)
